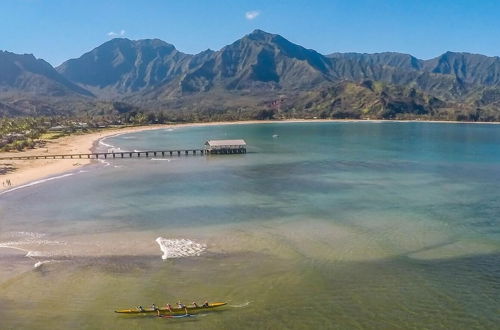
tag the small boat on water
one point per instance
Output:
(172, 311)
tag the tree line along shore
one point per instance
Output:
(20, 133)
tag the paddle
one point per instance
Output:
(175, 316)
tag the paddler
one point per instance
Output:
(153, 306)
(205, 304)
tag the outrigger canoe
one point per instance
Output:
(173, 311)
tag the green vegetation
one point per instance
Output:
(25, 132)
(51, 136)
(261, 76)
(19, 133)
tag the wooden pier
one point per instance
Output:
(212, 147)
(106, 155)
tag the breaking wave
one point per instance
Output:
(30, 238)
(40, 263)
(110, 147)
(101, 142)
(178, 248)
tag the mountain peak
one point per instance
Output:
(125, 42)
(260, 32)
(26, 72)
(260, 35)
(125, 65)
(116, 41)
(24, 56)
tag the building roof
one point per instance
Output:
(220, 143)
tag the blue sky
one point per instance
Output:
(57, 30)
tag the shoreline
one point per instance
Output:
(24, 172)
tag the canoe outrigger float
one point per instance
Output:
(172, 311)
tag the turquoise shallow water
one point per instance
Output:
(328, 225)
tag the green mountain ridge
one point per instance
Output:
(254, 73)
(36, 76)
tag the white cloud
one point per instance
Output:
(116, 34)
(252, 14)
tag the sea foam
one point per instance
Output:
(246, 304)
(178, 248)
(104, 162)
(25, 234)
(101, 142)
(40, 263)
(25, 238)
(162, 159)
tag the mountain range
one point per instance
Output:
(259, 72)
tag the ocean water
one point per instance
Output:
(319, 226)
